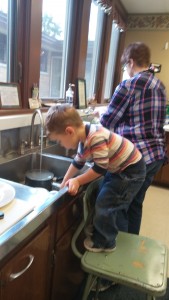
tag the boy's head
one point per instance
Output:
(62, 124)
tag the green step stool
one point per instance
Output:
(138, 262)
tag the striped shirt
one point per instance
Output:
(137, 112)
(107, 150)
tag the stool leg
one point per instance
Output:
(149, 297)
(97, 288)
(90, 279)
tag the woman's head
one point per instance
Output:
(138, 52)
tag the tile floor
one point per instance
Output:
(155, 221)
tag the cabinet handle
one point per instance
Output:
(16, 275)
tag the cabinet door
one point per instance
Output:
(162, 177)
(68, 275)
(67, 272)
(25, 276)
(68, 213)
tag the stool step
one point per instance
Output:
(138, 262)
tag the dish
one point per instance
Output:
(51, 104)
(7, 194)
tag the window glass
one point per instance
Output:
(125, 74)
(93, 49)
(115, 33)
(54, 48)
(3, 39)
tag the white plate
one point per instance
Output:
(7, 193)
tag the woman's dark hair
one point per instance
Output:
(137, 51)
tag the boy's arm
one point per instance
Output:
(87, 177)
(72, 170)
(75, 183)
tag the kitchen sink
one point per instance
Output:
(16, 169)
(40, 202)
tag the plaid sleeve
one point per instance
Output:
(116, 108)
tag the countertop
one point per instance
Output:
(28, 224)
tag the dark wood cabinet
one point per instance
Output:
(67, 274)
(162, 177)
(44, 267)
(25, 276)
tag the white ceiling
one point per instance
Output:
(146, 6)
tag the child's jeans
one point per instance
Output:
(116, 193)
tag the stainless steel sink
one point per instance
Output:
(16, 169)
(44, 202)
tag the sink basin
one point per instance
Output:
(16, 169)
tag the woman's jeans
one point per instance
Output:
(116, 193)
(134, 214)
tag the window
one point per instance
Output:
(115, 33)
(44, 60)
(8, 40)
(93, 50)
(3, 39)
(54, 49)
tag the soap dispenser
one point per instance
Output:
(70, 94)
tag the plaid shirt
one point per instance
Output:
(137, 111)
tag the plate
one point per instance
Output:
(51, 104)
(7, 193)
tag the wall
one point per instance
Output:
(15, 129)
(154, 31)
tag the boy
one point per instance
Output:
(113, 157)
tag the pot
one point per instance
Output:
(39, 178)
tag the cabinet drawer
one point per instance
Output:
(26, 275)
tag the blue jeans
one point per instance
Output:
(116, 193)
(130, 221)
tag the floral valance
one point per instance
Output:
(148, 22)
(111, 7)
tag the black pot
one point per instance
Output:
(39, 178)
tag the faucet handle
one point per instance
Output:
(22, 146)
(42, 140)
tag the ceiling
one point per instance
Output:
(146, 6)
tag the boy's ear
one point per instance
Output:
(69, 130)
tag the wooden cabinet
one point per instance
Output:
(45, 268)
(162, 177)
(67, 273)
(25, 276)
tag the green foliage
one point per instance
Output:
(50, 28)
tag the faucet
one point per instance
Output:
(37, 111)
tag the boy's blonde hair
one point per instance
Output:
(61, 116)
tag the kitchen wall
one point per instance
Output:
(14, 130)
(11, 139)
(17, 128)
(154, 31)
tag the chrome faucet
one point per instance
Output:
(37, 111)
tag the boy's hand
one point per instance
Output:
(73, 185)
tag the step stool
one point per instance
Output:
(138, 262)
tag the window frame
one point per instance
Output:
(27, 40)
